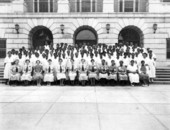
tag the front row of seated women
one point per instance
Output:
(83, 73)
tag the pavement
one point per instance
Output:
(85, 108)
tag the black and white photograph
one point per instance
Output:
(84, 64)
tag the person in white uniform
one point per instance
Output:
(133, 73)
(49, 73)
(61, 72)
(27, 69)
(7, 63)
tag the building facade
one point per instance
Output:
(29, 23)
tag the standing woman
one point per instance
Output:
(113, 73)
(15, 73)
(133, 73)
(49, 73)
(103, 73)
(83, 68)
(122, 73)
(38, 69)
(93, 72)
(7, 64)
(61, 72)
(152, 66)
(27, 69)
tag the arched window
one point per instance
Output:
(43, 5)
(128, 5)
(86, 5)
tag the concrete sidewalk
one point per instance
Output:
(85, 108)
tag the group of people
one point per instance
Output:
(100, 64)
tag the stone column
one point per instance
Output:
(63, 6)
(108, 6)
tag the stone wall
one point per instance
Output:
(144, 22)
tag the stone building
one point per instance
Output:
(29, 23)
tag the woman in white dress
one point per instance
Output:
(113, 73)
(122, 73)
(83, 68)
(152, 66)
(7, 63)
(61, 72)
(72, 71)
(103, 72)
(15, 72)
(49, 73)
(133, 73)
(27, 69)
(37, 75)
(93, 72)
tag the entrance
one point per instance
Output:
(41, 35)
(85, 35)
(131, 34)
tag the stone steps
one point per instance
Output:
(162, 76)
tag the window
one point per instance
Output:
(168, 48)
(128, 5)
(165, 0)
(43, 5)
(2, 48)
(86, 5)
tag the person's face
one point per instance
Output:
(49, 62)
(38, 62)
(113, 62)
(143, 63)
(9, 54)
(132, 62)
(16, 62)
(121, 63)
(27, 62)
(144, 55)
(103, 61)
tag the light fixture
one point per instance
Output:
(120, 37)
(108, 28)
(62, 28)
(17, 28)
(155, 27)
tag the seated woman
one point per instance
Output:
(37, 73)
(83, 67)
(133, 73)
(72, 71)
(61, 72)
(122, 73)
(49, 73)
(27, 69)
(143, 73)
(112, 73)
(93, 72)
(15, 72)
(103, 73)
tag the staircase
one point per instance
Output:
(162, 76)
